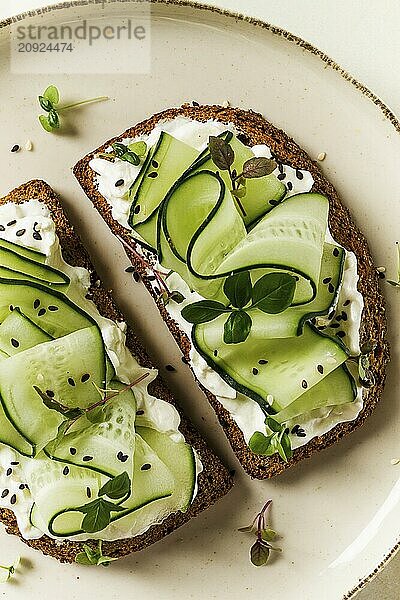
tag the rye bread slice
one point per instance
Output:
(213, 483)
(255, 129)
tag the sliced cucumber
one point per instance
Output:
(18, 333)
(23, 251)
(169, 160)
(334, 390)
(11, 259)
(11, 437)
(60, 366)
(50, 310)
(109, 443)
(293, 365)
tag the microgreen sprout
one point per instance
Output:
(50, 103)
(260, 550)
(8, 571)
(93, 557)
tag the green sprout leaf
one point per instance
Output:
(98, 514)
(203, 311)
(237, 289)
(284, 447)
(221, 152)
(139, 148)
(6, 572)
(268, 535)
(259, 443)
(258, 167)
(177, 297)
(53, 119)
(52, 404)
(273, 293)
(45, 104)
(239, 192)
(93, 557)
(259, 553)
(117, 487)
(45, 123)
(52, 94)
(273, 425)
(237, 327)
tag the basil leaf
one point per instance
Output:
(203, 311)
(273, 425)
(237, 327)
(259, 554)
(97, 517)
(53, 119)
(52, 94)
(260, 443)
(274, 292)
(116, 488)
(221, 152)
(237, 289)
(45, 103)
(259, 166)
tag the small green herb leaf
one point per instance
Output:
(177, 297)
(45, 104)
(284, 447)
(273, 425)
(139, 148)
(203, 311)
(93, 557)
(52, 94)
(237, 327)
(83, 559)
(268, 534)
(66, 411)
(53, 118)
(237, 289)
(45, 123)
(131, 157)
(274, 292)
(119, 149)
(117, 488)
(259, 166)
(260, 443)
(239, 192)
(98, 514)
(221, 152)
(259, 553)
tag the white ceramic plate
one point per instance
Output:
(338, 513)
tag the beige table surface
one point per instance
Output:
(363, 37)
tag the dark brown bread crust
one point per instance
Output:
(257, 130)
(214, 482)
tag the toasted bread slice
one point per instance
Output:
(255, 129)
(213, 482)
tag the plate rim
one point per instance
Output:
(288, 36)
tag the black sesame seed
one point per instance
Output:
(321, 327)
(72, 451)
(88, 492)
(85, 377)
(137, 209)
(119, 183)
(130, 269)
(14, 463)
(296, 278)
(344, 316)
(339, 318)
(41, 312)
(151, 277)
(301, 433)
(335, 252)
(381, 275)
(154, 164)
(136, 276)
(346, 303)
(8, 472)
(304, 384)
(122, 457)
(194, 103)
(14, 342)
(335, 325)
(2, 228)
(331, 288)
(11, 307)
(36, 304)
(140, 412)
(20, 232)
(15, 148)
(50, 393)
(299, 174)
(52, 308)
(262, 361)
(280, 167)
(295, 428)
(87, 458)
(184, 360)
(289, 186)
(255, 371)
(287, 430)
(71, 381)
(145, 467)
(36, 235)
(215, 352)
(341, 334)
(21, 486)
(13, 499)
(170, 368)
(11, 223)
(281, 176)
(5, 493)
(320, 369)
(327, 280)
(65, 470)
(273, 202)
(153, 175)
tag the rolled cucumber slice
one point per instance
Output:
(18, 333)
(287, 369)
(11, 259)
(65, 367)
(334, 390)
(107, 445)
(23, 251)
(11, 437)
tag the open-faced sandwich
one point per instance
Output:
(92, 446)
(258, 270)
